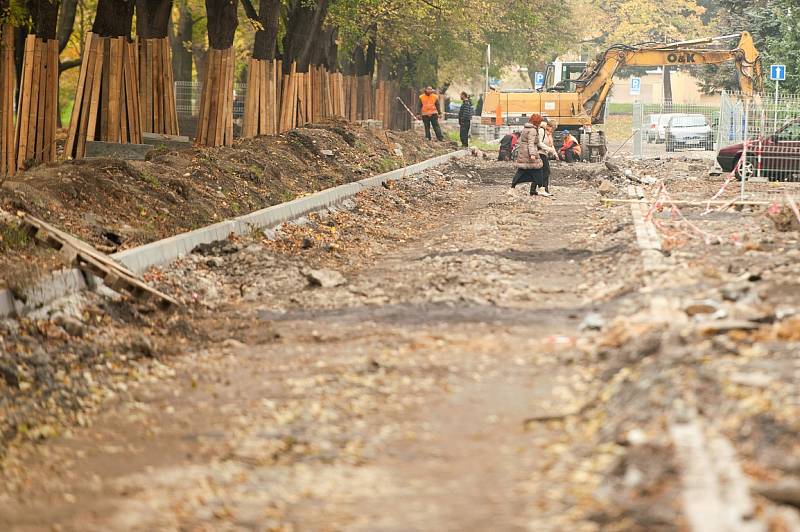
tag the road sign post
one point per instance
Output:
(777, 73)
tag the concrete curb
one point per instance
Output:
(139, 259)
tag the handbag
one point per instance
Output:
(536, 160)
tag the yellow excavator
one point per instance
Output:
(579, 103)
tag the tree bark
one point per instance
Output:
(114, 18)
(44, 15)
(222, 23)
(66, 21)
(152, 18)
(181, 55)
(326, 51)
(266, 42)
(667, 88)
(304, 23)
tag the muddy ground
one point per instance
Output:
(116, 204)
(443, 353)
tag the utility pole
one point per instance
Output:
(488, 62)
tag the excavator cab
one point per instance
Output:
(559, 76)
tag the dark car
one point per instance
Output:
(688, 131)
(776, 155)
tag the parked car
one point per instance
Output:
(777, 154)
(688, 131)
(659, 132)
(651, 133)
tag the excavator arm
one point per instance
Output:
(595, 83)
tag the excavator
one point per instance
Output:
(578, 104)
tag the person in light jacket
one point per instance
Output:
(529, 161)
(546, 137)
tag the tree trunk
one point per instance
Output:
(304, 22)
(44, 15)
(200, 56)
(152, 18)
(667, 89)
(266, 43)
(181, 56)
(222, 23)
(215, 121)
(66, 21)
(325, 50)
(114, 18)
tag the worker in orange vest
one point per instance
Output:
(430, 113)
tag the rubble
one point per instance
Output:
(463, 335)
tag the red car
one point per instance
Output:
(778, 155)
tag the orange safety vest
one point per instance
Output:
(429, 104)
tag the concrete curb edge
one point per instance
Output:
(139, 259)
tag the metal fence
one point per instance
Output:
(659, 129)
(759, 137)
(187, 98)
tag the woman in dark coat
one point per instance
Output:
(465, 119)
(529, 162)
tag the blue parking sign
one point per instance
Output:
(777, 72)
(538, 80)
(636, 86)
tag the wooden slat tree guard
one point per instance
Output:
(8, 76)
(215, 123)
(38, 102)
(261, 100)
(107, 98)
(157, 87)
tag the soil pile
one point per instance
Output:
(115, 204)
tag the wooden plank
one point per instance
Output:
(263, 98)
(25, 97)
(125, 96)
(105, 83)
(142, 80)
(299, 114)
(74, 119)
(41, 112)
(147, 59)
(250, 120)
(217, 133)
(116, 92)
(7, 83)
(80, 109)
(35, 95)
(157, 81)
(136, 114)
(130, 93)
(52, 109)
(175, 130)
(97, 263)
(200, 136)
(230, 64)
(293, 96)
(212, 66)
(94, 100)
(166, 86)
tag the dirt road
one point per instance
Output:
(475, 359)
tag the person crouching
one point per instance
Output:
(570, 148)
(507, 146)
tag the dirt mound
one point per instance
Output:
(116, 205)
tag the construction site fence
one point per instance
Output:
(763, 134)
(757, 137)
(662, 128)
